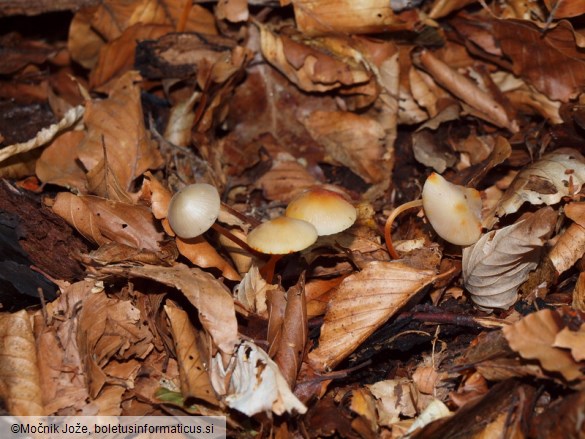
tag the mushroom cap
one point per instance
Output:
(454, 211)
(282, 235)
(193, 210)
(327, 210)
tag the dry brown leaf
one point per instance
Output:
(350, 139)
(181, 118)
(58, 163)
(533, 338)
(556, 175)
(116, 132)
(484, 104)
(442, 8)
(195, 382)
(568, 249)
(565, 8)
(109, 328)
(287, 332)
(204, 255)
(496, 265)
(109, 401)
(45, 135)
(573, 340)
(317, 65)
(156, 194)
(579, 293)
(62, 377)
(252, 292)
(363, 302)
(255, 383)
(394, 399)
(19, 375)
(285, 179)
(212, 299)
(101, 221)
(551, 61)
(346, 17)
(232, 10)
(115, 252)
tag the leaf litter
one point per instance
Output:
(264, 101)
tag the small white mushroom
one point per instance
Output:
(328, 211)
(193, 210)
(454, 211)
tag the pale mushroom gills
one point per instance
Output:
(193, 210)
(454, 211)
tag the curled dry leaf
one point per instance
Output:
(58, 163)
(19, 376)
(251, 292)
(287, 332)
(204, 255)
(195, 382)
(285, 179)
(534, 337)
(362, 303)
(496, 265)
(101, 221)
(548, 180)
(569, 248)
(354, 141)
(255, 383)
(45, 135)
(317, 65)
(346, 17)
(109, 328)
(116, 134)
(485, 105)
(212, 299)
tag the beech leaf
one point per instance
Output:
(363, 302)
(496, 265)
(256, 384)
(211, 298)
(534, 337)
(554, 176)
(19, 377)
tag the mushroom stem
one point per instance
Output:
(241, 216)
(225, 232)
(390, 221)
(267, 271)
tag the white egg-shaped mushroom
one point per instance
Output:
(327, 210)
(282, 235)
(454, 211)
(193, 210)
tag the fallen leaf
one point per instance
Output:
(204, 255)
(19, 376)
(101, 221)
(533, 338)
(116, 133)
(195, 382)
(354, 141)
(556, 175)
(569, 248)
(363, 302)
(255, 383)
(573, 340)
(212, 299)
(496, 265)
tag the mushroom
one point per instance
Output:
(193, 210)
(327, 210)
(453, 211)
(281, 236)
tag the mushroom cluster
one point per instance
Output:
(315, 212)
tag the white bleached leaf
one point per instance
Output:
(256, 384)
(496, 265)
(546, 181)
